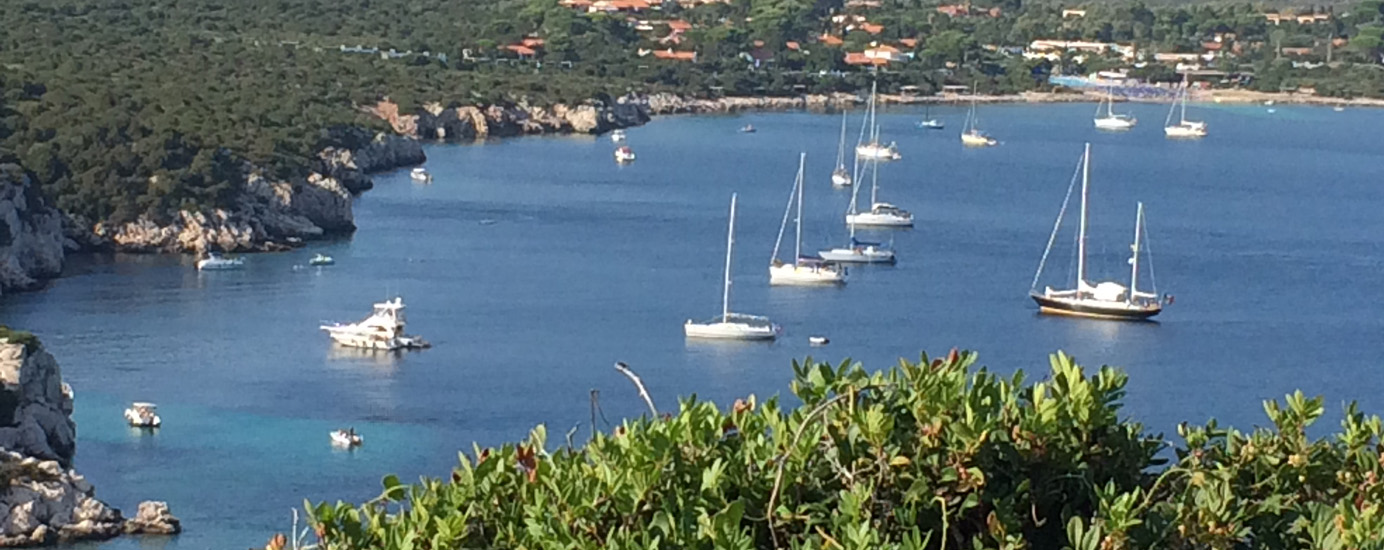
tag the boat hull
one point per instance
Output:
(1116, 311)
(789, 274)
(1185, 132)
(867, 255)
(729, 331)
(841, 180)
(976, 141)
(877, 153)
(219, 265)
(878, 220)
(1114, 123)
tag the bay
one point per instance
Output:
(534, 264)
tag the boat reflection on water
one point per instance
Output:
(384, 360)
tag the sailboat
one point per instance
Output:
(929, 123)
(805, 270)
(857, 251)
(880, 213)
(1105, 300)
(841, 177)
(874, 150)
(1112, 121)
(731, 326)
(1184, 128)
(971, 136)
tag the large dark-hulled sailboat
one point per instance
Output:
(1104, 300)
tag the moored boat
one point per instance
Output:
(617, 136)
(346, 438)
(624, 154)
(217, 262)
(420, 174)
(728, 325)
(1110, 120)
(382, 330)
(1183, 128)
(804, 270)
(321, 259)
(143, 415)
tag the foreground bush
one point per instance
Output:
(925, 455)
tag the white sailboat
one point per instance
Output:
(841, 177)
(880, 213)
(971, 136)
(1104, 300)
(804, 270)
(857, 251)
(731, 326)
(874, 150)
(1110, 120)
(1184, 128)
(929, 123)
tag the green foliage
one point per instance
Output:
(931, 454)
(27, 339)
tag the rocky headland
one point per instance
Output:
(42, 499)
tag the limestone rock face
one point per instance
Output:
(42, 500)
(31, 233)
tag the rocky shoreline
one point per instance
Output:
(43, 500)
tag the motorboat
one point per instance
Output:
(321, 259)
(1110, 120)
(841, 177)
(728, 325)
(1106, 299)
(217, 262)
(624, 154)
(617, 136)
(860, 252)
(382, 330)
(420, 174)
(748, 129)
(346, 438)
(818, 340)
(803, 270)
(1339, 109)
(143, 415)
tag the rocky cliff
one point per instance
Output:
(42, 499)
(470, 122)
(31, 236)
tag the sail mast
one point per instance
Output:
(1081, 232)
(730, 243)
(874, 184)
(1134, 271)
(798, 249)
(841, 148)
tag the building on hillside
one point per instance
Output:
(829, 40)
(955, 10)
(885, 52)
(675, 55)
(859, 58)
(1047, 49)
(1297, 52)
(863, 4)
(909, 43)
(1073, 13)
(523, 51)
(872, 28)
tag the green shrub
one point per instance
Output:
(28, 340)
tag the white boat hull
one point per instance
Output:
(1115, 123)
(841, 179)
(220, 265)
(1189, 130)
(862, 255)
(790, 274)
(877, 152)
(135, 419)
(340, 439)
(972, 140)
(878, 220)
(729, 331)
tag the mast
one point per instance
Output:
(874, 128)
(1134, 271)
(874, 184)
(798, 249)
(730, 243)
(841, 148)
(1081, 232)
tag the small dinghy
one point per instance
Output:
(346, 438)
(321, 259)
(143, 415)
(818, 340)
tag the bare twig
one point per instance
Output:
(625, 370)
(783, 460)
(571, 433)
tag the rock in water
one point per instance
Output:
(154, 519)
(42, 500)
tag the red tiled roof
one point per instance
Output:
(855, 58)
(679, 25)
(521, 50)
(909, 42)
(680, 56)
(830, 40)
(872, 28)
(792, 45)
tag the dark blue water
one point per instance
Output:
(534, 264)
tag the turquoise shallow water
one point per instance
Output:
(533, 264)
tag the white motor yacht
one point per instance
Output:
(420, 174)
(346, 438)
(617, 136)
(624, 154)
(321, 259)
(382, 330)
(143, 415)
(217, 262)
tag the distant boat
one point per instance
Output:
(217, 262)
(731, 326)
(929, 123)
(1339, 109)
(803, 270)
(346, 438)
(747, 129)
(1105, 300)
(1272, 111)
(874, 149)
(420, 174)
(617, 136)
(841, 177)
(1184, 128)
(971, 136)
(1112, 121)
(624, 154)
(321, 259)
(382, 330)
(857, 251)
(880, 213)
(143, 415)
(818, 340)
